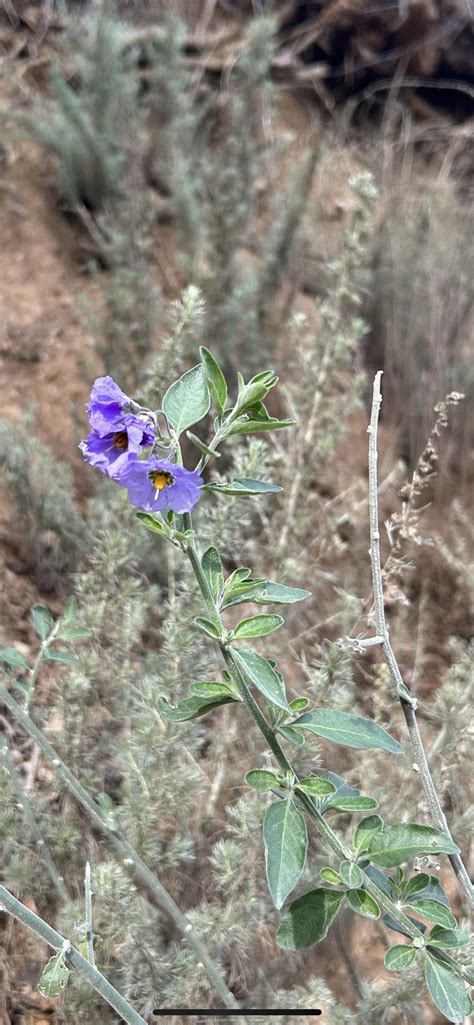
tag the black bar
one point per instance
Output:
(219, 1013)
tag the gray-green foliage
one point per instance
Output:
(42, 487)
(86, 122)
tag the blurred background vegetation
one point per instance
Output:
(289, 184)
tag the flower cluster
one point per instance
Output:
(119, 437)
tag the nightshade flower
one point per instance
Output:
(156, 484)
(112, 452)
(107, 405)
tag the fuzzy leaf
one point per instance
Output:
(257, 670)
(215, 379)
(151, 523)
(347, 729)
(212, 690)
(361, 902)
(292, 736)
(434, 912)
(280, 594)
(314, 786)
(366, 829)
(440, 937)
(330, 876)
(12, 657)
(187, 400)
(308, 918)
(359, 803)
(263, 779)
(54, 655)
(243, 487)
(212, 568)
(286, 843)
(244, 425)
(416, 885)
(258, 626)
(210, 629)
(447, 990)
(351, 875)
(191, 708)
(42, 620)
(399, 957)
(403, 841)
(299, 704)
(198, 442)
(54, 976)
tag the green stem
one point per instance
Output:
(17, 910)
(37, 663)
(127, 854)
(332, 840)
(88, 910)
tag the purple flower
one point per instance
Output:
(112, 452)
(107, 405)
(156, 484)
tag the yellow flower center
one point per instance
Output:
(121, 439)
(161, 479)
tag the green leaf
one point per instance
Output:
(191, 708)
(280, 594)
(330, 876)
(440, 937)
(366, 829)
(206, 451)
(212, 690)
(212, 569)
(12, 657)
(434, 912)
(208, 628)
(286, 843)
(241, 592)
(42, 620)
(292, 736)
(350, 730)
(399, 957)
(359, 803)
(315, 786)
(258, 626)
(151, 523)
(251, 394)
(247, 426)
(242, 487)
(434, 891)
(361, 902)
(447, 990)
(308, 918)
(53, 977)
(187, 400)
(263, 779)
(415, 885)
(65, 657)
(215, 379)
(257, 670)
(404, 841)
(299, 704)
(351, 875)
(73, 633)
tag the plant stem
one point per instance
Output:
(407, 702)
(128, 855)
(89, 972)
(88, 909)
(332, 840)
(24, 804)
(38, 661)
